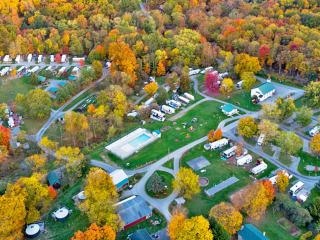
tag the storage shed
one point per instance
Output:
(156, 133)
(62, 84)
(229, 109)
(43, 80)
(53, 180)
(119, 178)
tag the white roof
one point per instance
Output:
(17, 57)
(61, 213)
(32, 229)
(296, 186)
(118, 176)
(62, 69)
(75, 69)
(180, 200)
(81, 195)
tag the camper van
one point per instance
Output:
(174, 104)
(183, 100)
(157, 115)
(296, 188)
(239, 84)
(229, 152)
(260, 140)
(258, 169)
(206, 70)
(244, 160)
(314, 131)
(166, 109)
(188, 96)
(219, 144)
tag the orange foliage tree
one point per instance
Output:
(82, 62)
(91, 109)
(176, 223)
(4, 136)
(52, 192)
(214, 135)
(239, 149)
(94, 232)
(269, 190)
(160, 69)
(147, 69)
(315, 143)
(210, 136)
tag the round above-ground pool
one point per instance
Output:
(33, 230)
(62, 214)
(203, 181)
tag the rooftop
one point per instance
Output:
(52, 178)
(140, 234)
(266, 87)
(250, 232)
(62, 83)
(119, 178)
(52, 89)
(228, 108)
(42, 79)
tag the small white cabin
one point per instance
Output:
(229, 110)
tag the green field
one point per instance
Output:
(207, 113)
(169, 164)
(285, 159)
(167, 179)
(307, 159)
(10, 90)
(268, 150)
(217, 172)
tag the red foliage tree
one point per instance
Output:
(81, 62)
(263, 53)
(212, 80)
(293, 47)
(52, 192)
(66, 50)
(65, 74)
(269, 190)
(58, 58)
(4, 136)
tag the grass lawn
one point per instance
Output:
(208, 114)
(13, 87)
(217, 172)
(276, 81)
(77, 100)
(285, 159)
(161, 80)
(33, 125)
(167, 179)
(307, 159)
(232, 121)
(156, 216)
(316, 114)
(268, 150)
(169, 164)
(302, 102)
(250, 141)
(76, 221)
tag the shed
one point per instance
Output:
(119, 178)
(133, 210)
(180, 200)
(140, 234)
(62, 84)
(80, 109)
(42, 79)
(229, 109)
(156, 133)
(53, 180)
(53, 90)
(250, 232)
(263, 91)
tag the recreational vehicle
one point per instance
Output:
(157, 115)
(49, 68)
(63, 58)
(296, 188)
(108, 64)
(273, 179)
(223, 75)
(260, 140)
(229, 152)
(206, 70)
(174, 104)
(244, 160)
(39, 58)
(258, 169)
(29, 57)
(149, 101)
(132, 114)
(52, 58)
(33, 70)
(17, 60)
(152, 79)
(314, 131)
(7, 58)
(188, 96)
(183, 100)
(62, 70)
(77, 59)
(219, 144)
(239, 84)
(4, 71)
(166, 109)
(20, 69)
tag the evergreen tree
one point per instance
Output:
(155, 184)
(218, 231)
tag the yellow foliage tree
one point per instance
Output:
(269, 129)
(151, 88)
(248, 78)
(245, 63)
(186, 182)
(196, 228)
(315, 143)
(101, 195)
(227, 216)
(247, 126)
(47, 145)
(270, 111)
(36, 162)
(227, 86)
(14, 72)
(147, 69)
(210, 136)
(160, 69)
(95, 232)
(252, 199)
(176, 223)
(239, 149)
(12, 211)
(282, 180)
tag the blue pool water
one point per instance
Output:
(141, 139)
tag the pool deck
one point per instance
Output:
(122, 147)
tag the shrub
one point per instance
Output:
(65, 187)
(86, 150)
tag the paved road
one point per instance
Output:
(143, 9)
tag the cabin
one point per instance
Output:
(52, 90)
(71, 78)
(250, 232)
(141, 234)
(263, 91)
(43, 80)
(62, 84)
(229, 110)
(120, 179)
(156, 133)
(53, 180)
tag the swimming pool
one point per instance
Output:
(139, 140)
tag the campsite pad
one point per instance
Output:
(165, 129)
(178, 128)
(198, 163)
(193, 129)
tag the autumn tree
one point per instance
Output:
(36, 162)
(76, 125)
(312, 93)
(245, 63)
(286, 106)
(282, 180)
(210, 136)
(227, 86)
(270, 111)
(269, 190)
(315, 143)
(172, 81)
(212, 80)
(185, 81)
(47, 145)
(252, 200)
(304, 115)
(176, 223)
(151, 88)
(5, 136)
(52, 192)
(91, 109)
(227, 216)
(3, 109)
(147, 68)
(218, 231)
(101, 196)
(247, 126)
(239, 149)
(289, 142)
(196, 228)
(269, 129)
(160, 69)
(248, 79)
(186, 181)
(34, 79)
(155, 183)
(94, 232)
(97, 66)
(82, 62)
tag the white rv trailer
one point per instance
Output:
(172, 103)
(21, 69)
(51, 58)
(63, 58)
(223, 75)
(166, 109)
(78, 59)
(219, 144)
(4, 71)
(206, 70)
(149, 101)
(49, 68)
(167, 88)
(273, 179)
(29, 57)
(229, 152)
(296, 188)
(11, 123)
(188, 96)
(258, 169)
(132, 114)
(244, 160)
(260, 140)
(314, 131)
(33, 70)
(183, 100)
(62, 70)
(239, 84)
(17, 60)
(157, 115)
(7, 58)
(108, 64)
(39, 58)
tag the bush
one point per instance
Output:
(65, 187)
(156, 211)
(130, 119)
(86, 150)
